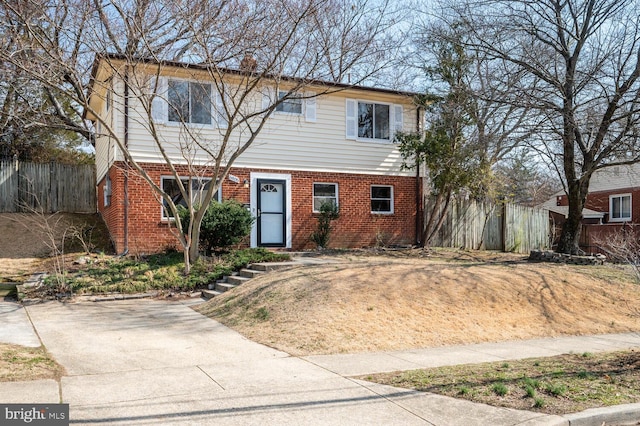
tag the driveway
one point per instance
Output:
(151, 362)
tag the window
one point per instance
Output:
(107, 192)
(370, 121)
(292, 105)
(324, 193)
(381, 199)
(620, 207)
(189, 102)
(373, 121)
(199, 186)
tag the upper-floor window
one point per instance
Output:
(381, 199)
(324, 193)
(291, 105)
(372, 121)
(620, 207)
(189, 102)
(199, 187)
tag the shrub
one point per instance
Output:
(328, 212)
(224, 224)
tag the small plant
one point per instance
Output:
(530, 391)
(262, 314)
(464, 390)
(587, 355)
(584, 374)
(556, 390)
(328, 212)
(224, 224)
(538, 402)
(500, 389)
(505, 365)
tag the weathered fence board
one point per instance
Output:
(477, 225)
(47, 187)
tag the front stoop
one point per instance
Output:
(245, 274)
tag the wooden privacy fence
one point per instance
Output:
(477, 225)
(48, 187)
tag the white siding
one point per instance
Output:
(290, 142)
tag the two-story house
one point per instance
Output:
(325, 142)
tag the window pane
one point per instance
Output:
(198, 190)
(178, 97)
(200, 103)
(365, 120)
(380, 205)
(382, 121)
(626, 206)
(292, 105)
(324, 190)
(381, 192)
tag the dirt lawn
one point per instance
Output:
(27, 239)
(382, 302)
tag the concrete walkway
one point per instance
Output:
(153, 362)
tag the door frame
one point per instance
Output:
(254, 177)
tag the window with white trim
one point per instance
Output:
(189, 102)
(199, 187)
(620, 207)
(291, 105)
(372, 121)
(324, 193)
(381, 199)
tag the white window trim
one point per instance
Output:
(313, 194)
(392, 200)
(162, 179)
(620, 219)
(393, 124)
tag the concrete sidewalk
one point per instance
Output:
(155, 362)
(381, 362)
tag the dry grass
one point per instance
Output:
(19, 363)
(555, 385)
(379, 303)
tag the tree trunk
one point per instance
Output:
(570, 237)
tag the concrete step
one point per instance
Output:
(209, 294)
(222, 287)
(272, 266)
(250, 273)
(237, 280)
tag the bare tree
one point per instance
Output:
(255, 55)
(577, 63)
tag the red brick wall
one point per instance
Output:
(356, 227)
(599, 201)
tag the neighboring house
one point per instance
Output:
(335, 147)
(613, 203)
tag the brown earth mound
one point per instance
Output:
(392, 303)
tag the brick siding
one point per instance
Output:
(356, 227)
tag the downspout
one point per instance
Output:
(419, 199)
(126, 162)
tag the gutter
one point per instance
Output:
(419, 200)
